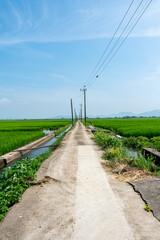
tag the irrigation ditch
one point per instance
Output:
(145, 152)
(32, 149)
(20, 173)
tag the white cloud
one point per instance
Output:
(84, 21)
(4, 101)
(65, 79)
(57, 75)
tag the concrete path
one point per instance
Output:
(77, 202)
(97, 211)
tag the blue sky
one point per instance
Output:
(49, 48)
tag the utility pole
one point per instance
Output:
(75, 114)
(80, 112)
(72, 111)
(84, 90)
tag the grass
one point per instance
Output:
(149, 127)
(59, 131)
(142, 142)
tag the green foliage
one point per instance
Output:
(142, 142)
(105, 140)
(13, 181)
(116, 153)
(149, 127)
(137, 142)
(62, 129)
(147, 164)
(155, 141)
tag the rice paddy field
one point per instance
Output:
(147, 127)
(32, 125)
(16, 133)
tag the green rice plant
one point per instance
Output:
(138, 133)
(32, 125)
(12, 140)
(148, 127)
(17, 133)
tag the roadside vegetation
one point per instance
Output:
(116, 153)
(142, 142)
(62, 129)
(147, 127)
(137, 133)
(14, 180)
(17, 133)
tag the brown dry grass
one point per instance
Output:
(128, 173)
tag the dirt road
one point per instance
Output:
(78, 201)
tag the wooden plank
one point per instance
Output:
(150, 152)
(25, 149)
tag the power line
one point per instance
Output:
(121, 42)
(119, 38)
(111, 40)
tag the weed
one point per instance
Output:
(148, 208)
(105, 140)
(13, 181)
(115, 152)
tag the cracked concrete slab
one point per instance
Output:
(149, 189)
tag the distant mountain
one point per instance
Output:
(154, 113)
(121, 114)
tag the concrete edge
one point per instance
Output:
(11, 156)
